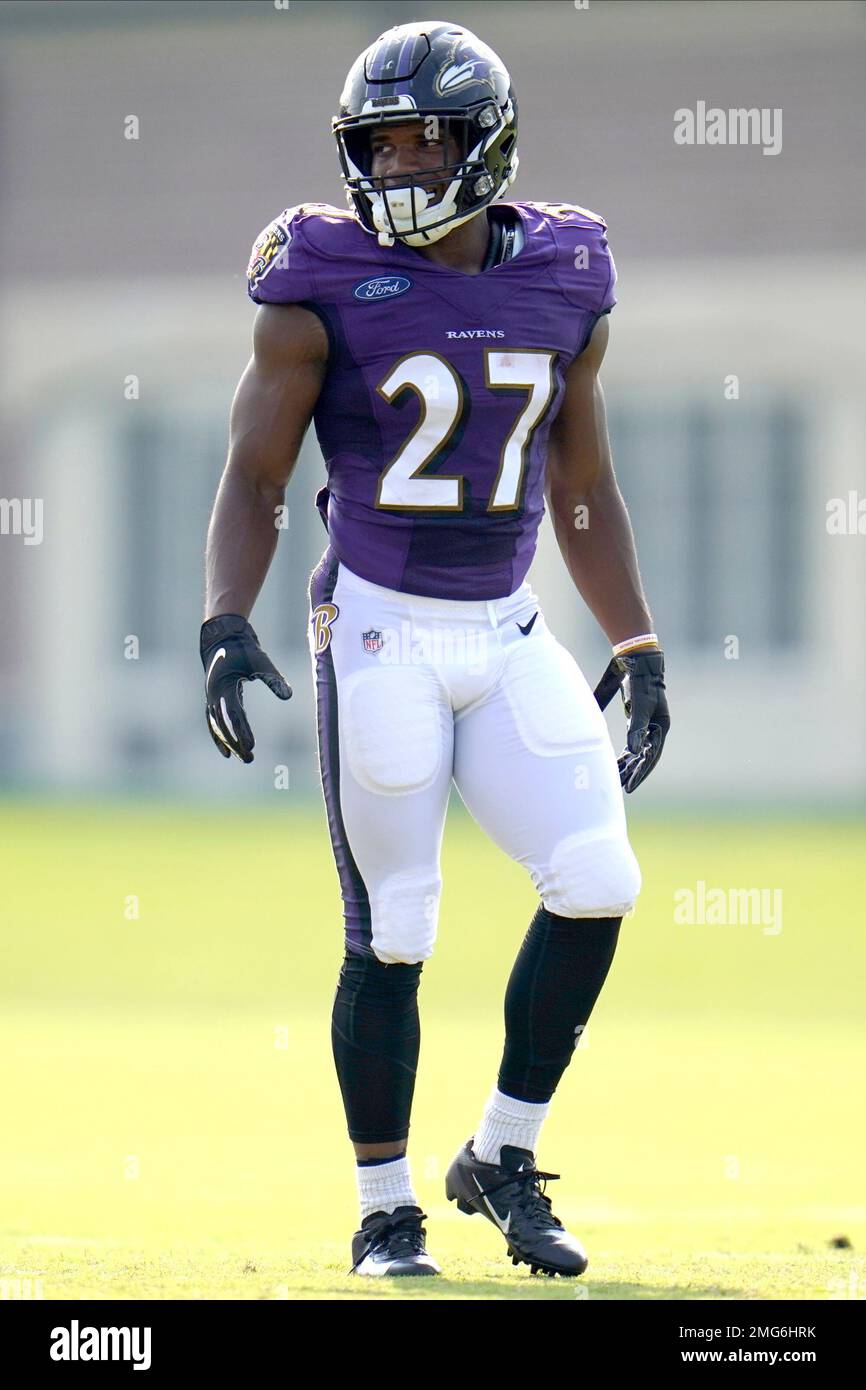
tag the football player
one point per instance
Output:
(447, 345)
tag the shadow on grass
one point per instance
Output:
(530, 1287)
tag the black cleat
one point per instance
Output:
(392, 1243)
(510, 1195)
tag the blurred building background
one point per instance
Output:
(734, 379)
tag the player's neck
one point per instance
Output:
(464, 249)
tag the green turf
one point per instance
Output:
(173, 1125)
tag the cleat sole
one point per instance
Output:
(549, 1270)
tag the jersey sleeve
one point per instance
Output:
(584, 262)
(609, 296)
(280, 268)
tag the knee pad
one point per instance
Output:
(391, 730)
(595, 876)
(404, 916)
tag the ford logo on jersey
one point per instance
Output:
(383, 287)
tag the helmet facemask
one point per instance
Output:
(411, 207)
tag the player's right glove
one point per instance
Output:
(231, 654)
(640, 677)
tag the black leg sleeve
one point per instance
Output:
(553, 986)
(376, 1038)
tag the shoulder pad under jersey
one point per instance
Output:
(583, 265)
(281, 270)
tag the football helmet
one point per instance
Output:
(443, 75)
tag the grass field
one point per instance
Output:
(172, 1120)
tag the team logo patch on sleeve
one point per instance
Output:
(564, 211)
(273, 242)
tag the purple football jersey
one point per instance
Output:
(441, 388)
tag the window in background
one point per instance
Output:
(171, 464)
(716, 497)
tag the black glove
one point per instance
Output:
(646, 709)
(231, 654)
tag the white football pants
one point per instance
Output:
(412, 692)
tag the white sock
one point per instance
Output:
(384, 1186)
(508, 1121)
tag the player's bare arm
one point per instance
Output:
(270, 413)
(597, 543)
(595, 537)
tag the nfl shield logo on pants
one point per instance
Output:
(373, 640)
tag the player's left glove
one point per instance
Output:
(640, 677)
(231, 654)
